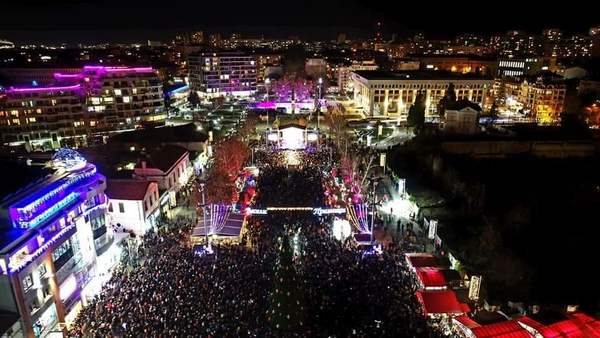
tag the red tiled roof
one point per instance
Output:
(132, 190)
(507, 329)
(431, 277)
(441, 302)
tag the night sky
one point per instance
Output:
(94, 21)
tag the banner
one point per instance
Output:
(474, 287)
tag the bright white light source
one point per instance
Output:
(341, 229)
(68, 287)
(312, 137)
(272, 137)
(292, 138)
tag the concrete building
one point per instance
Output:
(390, 94)
(461, 64)
(315, 67)
(169, 167)
(122, 97)
(344, 81)
(222, 74)
(98, 99)
(53, 230)
(28, 76)
(42, 117)
(462, 119)
(134, 204)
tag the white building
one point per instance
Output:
(169, 167)
(344, 80)
(462, 121)
(391, 94)
(133, 204)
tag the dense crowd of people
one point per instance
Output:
(340, 289)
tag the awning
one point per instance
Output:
(431, 277)
(441, 302)
(506, 329)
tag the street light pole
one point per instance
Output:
(204, 213)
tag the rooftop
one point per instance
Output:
(163, 158)
(21, 175)
(182, 133)
(127, 189)
(417, 75)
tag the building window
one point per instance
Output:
(27, 282)
(121, 207)
(42, 270)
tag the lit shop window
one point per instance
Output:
(118, 92)
(95, 100)
(126, 99)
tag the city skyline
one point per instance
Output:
(65, 21)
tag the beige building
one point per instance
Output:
(344, 80)
(390, 94)
(542, 97)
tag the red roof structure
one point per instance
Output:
(431, 277)
(127, 189)
(506, 329)
(421, 260)
(578, 325)
(467, 322)
(441, 302)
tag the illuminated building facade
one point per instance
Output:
(52, 232)
(97, 99)
(460, 64)
(42, 116)
(122, 98)
(222, 74)
(542, 98)
(390, 94)
(169, 167)
(545, 98)
(134, 204)
(344, 72)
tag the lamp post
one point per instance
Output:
(203, 205)
(374, 181)
(267, 83)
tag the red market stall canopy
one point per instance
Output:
(441, 302)
(422, 260)
(466, 322)
(507, 329)
(578, 325)
(431, 277)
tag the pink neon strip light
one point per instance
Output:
(69, 76)
(42, 89)
(120, 69)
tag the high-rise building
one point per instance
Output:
(222, 73)
(97, 99)
(391, 94)
(121, 98)
(42, 117)
(53, 238)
